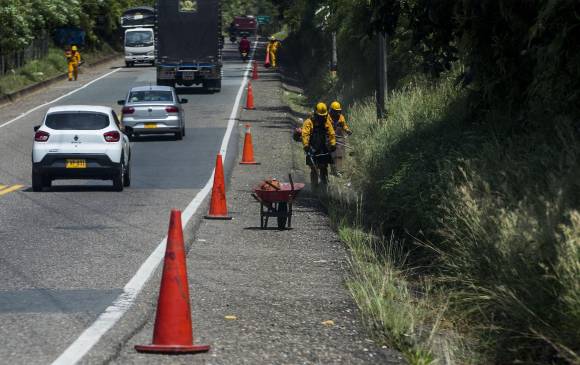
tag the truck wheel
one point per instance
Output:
(213, 85)
(218, 85)
(164, 83)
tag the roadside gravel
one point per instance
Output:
(284, 288)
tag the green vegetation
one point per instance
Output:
(489, 217)
(23, 20)
(52, 65)
(473, 176)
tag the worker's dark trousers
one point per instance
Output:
(316, 172)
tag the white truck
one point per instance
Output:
(139, 41)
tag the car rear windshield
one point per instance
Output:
(77, 121)
(148, 96)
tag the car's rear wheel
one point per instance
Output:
(118, 180)
(37, 182)
(127, 176)
(179, 135)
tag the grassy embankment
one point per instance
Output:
(52, 65)
(465, 237)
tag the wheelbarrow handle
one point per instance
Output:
(291, 182)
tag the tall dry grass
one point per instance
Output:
(487, 212)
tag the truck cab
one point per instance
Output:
(139, 40)
(245, 25)
(139, 46)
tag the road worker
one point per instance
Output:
(272, 50)
(319, 141)
(342, 130)
(73, 59)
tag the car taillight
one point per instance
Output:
(112, 136)
(41, 136)
(171, 109)
(128, 110)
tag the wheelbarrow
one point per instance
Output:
(277, 203)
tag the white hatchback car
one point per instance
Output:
(80, 142)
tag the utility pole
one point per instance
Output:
(334, 61)
(382, 90)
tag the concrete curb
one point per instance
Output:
(9, 98)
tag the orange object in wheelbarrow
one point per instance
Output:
(277, 203)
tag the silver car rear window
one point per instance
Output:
(150, 96)
(77, 121)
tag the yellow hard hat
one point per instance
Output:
(321, 109)
(74, 48)
(272, 38)
(336, 106)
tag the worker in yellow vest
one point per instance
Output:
(73, 59)
(342, 130)
(272, 49)
(319, 142)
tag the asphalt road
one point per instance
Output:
(67, 253)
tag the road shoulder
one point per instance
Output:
(267, 296)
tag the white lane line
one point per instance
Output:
(58, 99)
(106, 320)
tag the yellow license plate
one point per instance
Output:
(150, 125)
(76, 164)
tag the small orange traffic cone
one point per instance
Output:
(217, 207)
(267, 61)
(173, 333)
(250, 97)
(248, 153)
(255, 70)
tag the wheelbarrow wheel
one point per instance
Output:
(283, 218)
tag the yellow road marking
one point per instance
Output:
(9, 189)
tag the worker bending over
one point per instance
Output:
(319, 141)
(342, 130)
(73, 59)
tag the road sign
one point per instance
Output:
(263, 19)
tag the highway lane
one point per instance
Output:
(66, 254)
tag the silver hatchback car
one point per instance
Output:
(153, 110)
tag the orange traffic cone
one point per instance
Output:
(248, 153)
(250, 97)
(267, 61)
(255, 70)
(217, 207)
(172, 332)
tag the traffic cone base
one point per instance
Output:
(172, 332)
(168, 349)
(218, 217)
